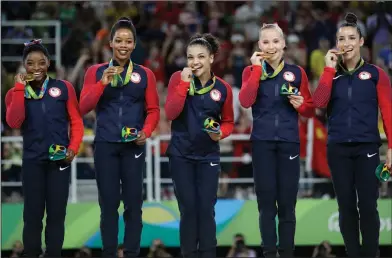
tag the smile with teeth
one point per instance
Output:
(123, 52)
(37, 74)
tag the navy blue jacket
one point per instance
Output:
(45, 121)
(352, 103)
(134, 105)
(188, 114)
(274, 118)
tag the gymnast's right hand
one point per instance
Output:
(331, 59)
(19, 78)
(108, 75)
(186, 74)
(256, 58)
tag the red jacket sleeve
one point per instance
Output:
(15, 105)
(384, 96)
(307, 107)
(91, 91)
(227, 116)
(75, 118)
(176, 95)
(250, 85)
(151, 104)
(322, 94)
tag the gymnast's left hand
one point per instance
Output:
(69, 156)
(141, 138)
(215, 136)
(296, 100)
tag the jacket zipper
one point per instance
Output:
(350, 93)
(120, 112)
(277, 114)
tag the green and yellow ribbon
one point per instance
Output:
(30, 93)
(265, 75)
(345, 71)
(192, 89)
(117, 79)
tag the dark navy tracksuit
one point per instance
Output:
(352, 103)
(45, 122)
(275, 150)
(120, 166)
(194, 160)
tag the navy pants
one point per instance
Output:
(119, 173)
(196, 185)
(276, 170)
(352, 167)
(45, 186)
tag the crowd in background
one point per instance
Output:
(163, 29)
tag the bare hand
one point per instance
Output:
(141, 138)
(388, 161)
(215, 136)
(69, 156)
(256, 58)
(331, 58)
(19, 78)
(108, 75)
(186, 74)
(296, 100)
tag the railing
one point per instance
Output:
(19, 41)
(153, 179)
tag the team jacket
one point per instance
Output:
(188, 114)
(274, 118)
(352, 103)
(135, 105)
(45, 121)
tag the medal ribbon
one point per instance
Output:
(204, 90)
(30, 93)
(118, 80)
(265, 75)
(345, 71)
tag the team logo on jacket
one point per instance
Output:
(54, 92)
(289, 76)
(364, 76)
(215, 95)
(135, 77)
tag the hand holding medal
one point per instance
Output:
(212, 128)
(109, 74)
(382, 173)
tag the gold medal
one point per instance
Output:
(119, 69)
(342, 51)
(29, 77)
(266, 55)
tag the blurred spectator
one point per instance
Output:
(324, 249)
(239, 248)
(379, 26)
(17, 249)
(157, 249)
(317, 58)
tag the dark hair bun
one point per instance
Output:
(124, 19)
(213, 42)
(351, 18)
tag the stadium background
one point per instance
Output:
(163, 29)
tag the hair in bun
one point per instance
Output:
(351, 21)
(351, 18)
(207, 40)
(123, 22)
